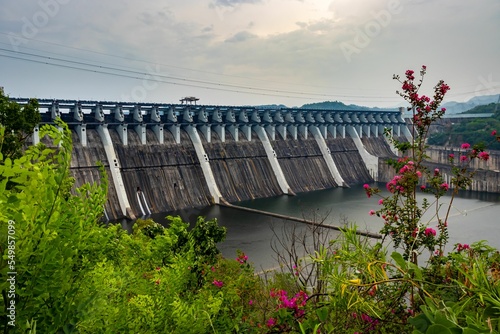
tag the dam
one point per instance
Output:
(166, 157)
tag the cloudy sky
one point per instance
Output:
(246, 52)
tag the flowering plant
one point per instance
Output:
(401, 211)
(288, 310)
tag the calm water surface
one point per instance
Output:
(474, 217)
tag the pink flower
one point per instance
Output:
(372, 212)
(271, 322)
(445, 186)
(494, 132)
(419, 173)
(422, 187)
(217, 283)
(380, 201)
(451, 156)
(242, 258)
(463, 158)
(429, 231)
(444, 88)
(369, 191)
(409, 74)
(250, 302)
(483, 156)
(465, 146)
(436, 171)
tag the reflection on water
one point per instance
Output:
(473, 217)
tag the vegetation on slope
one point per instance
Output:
(471, 130)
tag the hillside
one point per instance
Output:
(337, 105)
(484, 109)
(460, 107)
(472, 130)
(452, 107)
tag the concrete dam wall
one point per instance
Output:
(161, 158)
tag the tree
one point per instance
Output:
(19, 123)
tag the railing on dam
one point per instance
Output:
(179, 156)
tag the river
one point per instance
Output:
(474, 217)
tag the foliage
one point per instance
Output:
(404, 223)
(363, 291)
(18, 123)
(292, 246)
(53, 241)
(483, 109)
(75, 275)
(477, 130)
(469, 287)
(401, 211)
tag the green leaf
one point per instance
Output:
(420, 322)
(322, 314)
(438, 329)
(491, 311)
(414, 269)
(469, 331)
(429, 314)
(440, 318)
(456, 330)
(400, 261)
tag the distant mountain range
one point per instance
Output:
(337, 105)
(451, 107)
(327, 105)
(460, 107)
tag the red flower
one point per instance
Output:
(271, 322)
(217, 283)
(429, 231)
(483, 156)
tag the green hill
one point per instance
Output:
(337, 105)
(471, 130)
(484, 109)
